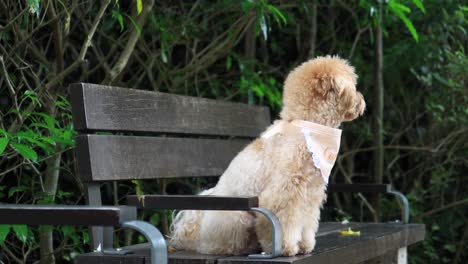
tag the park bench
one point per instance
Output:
(157, 135)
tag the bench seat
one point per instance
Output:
(376, 239)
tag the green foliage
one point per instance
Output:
(21, 232)
(400, 11)
(43, 132)
(198, 48)
(4, 230)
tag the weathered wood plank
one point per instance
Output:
(65, 215)
(97, 107)
(140, 255)
(195, 202)
(375, 240)
(111, 157)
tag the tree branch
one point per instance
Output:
(132, 40)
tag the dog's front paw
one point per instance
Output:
(306, 246)
(290, 249)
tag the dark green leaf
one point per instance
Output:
(4, 230)
(154, 219)
(16, 189)
(116, 15)
(137, 28)
(3, 144)
(68, 230)
(278, 15)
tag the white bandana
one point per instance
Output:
(322, 142)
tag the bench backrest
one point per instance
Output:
(154, 135)
(157, 135)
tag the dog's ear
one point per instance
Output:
(323, 86)
(345, 89)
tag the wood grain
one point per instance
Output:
(195, 202)
(375, 240)
(97, 107)
(65, 215)
(112, 157)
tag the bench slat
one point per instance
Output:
(65, 215)
(112, 157)
(98, 107)
(195, 202)
(375, 240)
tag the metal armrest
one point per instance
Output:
(155, 238)
(193, 202)
(83, 215)
(206, 202)
(77, 215)
(374, 188)
(276, 235)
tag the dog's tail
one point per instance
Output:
(185, 228)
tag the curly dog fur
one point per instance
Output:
(278, 170)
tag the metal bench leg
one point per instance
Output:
(154, 237)
(405, 203)
(107, 246)
(276, 233)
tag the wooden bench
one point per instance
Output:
(158, 135)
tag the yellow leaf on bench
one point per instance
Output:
(350, 232)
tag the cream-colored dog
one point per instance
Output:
(280, 168)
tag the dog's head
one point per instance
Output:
(322, 90)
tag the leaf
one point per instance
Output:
(402, 7)
(25, 151)
(135, 25)
(32, 96)
(68, 230)
(139, 6)
(16, 189)
(50, 121)
(278, 15)
(4, 230)
(419, 5)
(399, 10)
(154, 219)
(138, 187)
(116, 15)
(21, 232)
(3, 144)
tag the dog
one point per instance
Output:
(281, 168)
